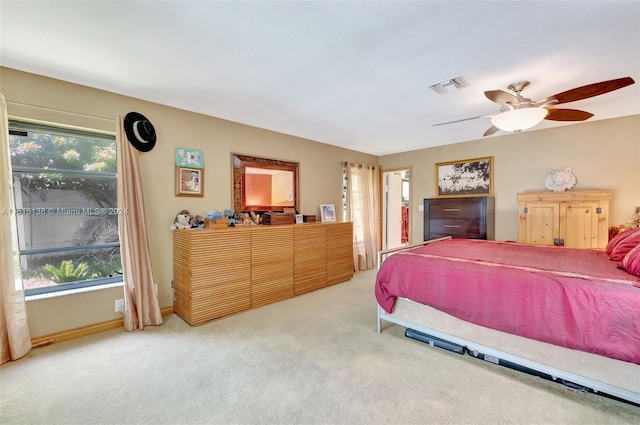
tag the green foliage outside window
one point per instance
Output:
(48, 163)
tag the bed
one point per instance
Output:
(570, 314)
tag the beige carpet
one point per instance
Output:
(313, 359)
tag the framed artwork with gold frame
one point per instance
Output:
(189, 181)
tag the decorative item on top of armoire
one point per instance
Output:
(560, 180)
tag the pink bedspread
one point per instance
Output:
(576, 298)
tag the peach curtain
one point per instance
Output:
(15, 340)
(141, 303)
(363, 209)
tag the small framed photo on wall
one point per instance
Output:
(191, 158)
(327, 213)
(189, 181)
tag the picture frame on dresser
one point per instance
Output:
(327, 213)
(467, 177)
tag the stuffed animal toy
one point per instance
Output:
(198, 221)
(247, 221)
(183, 220)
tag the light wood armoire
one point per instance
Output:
(575, 219)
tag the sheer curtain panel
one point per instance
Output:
(141, 303)
(363, 209)
(15, 340)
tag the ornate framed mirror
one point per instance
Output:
(263, 184)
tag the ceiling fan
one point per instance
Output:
(519, 113)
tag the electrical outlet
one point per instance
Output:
(120, 305)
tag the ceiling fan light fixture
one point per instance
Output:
(519, 119)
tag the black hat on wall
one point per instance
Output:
(140, 131)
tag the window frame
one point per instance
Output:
(22, 128)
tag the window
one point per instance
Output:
(66, 207)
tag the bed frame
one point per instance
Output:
(572, 367)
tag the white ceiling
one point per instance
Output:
(353, 74)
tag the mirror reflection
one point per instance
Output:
(263, 184)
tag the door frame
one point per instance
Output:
(383, 202)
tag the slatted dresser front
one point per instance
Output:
(218, 272)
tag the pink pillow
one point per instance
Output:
(625, 245)
(631, 261)
(618, 238)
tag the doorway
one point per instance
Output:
(396, 217)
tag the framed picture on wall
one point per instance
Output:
(189, 182)
(467, 177)
(191, 158)
(327, 213)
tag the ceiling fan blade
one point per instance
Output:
(464, 119)
(591, 90)
(567, 115)
(501, 97)
(491, 130)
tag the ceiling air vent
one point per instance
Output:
(448, 86)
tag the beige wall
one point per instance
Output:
(603, 155)
(217, 138)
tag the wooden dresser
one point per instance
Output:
(471, 218)
(217, 272)
(575, 219)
